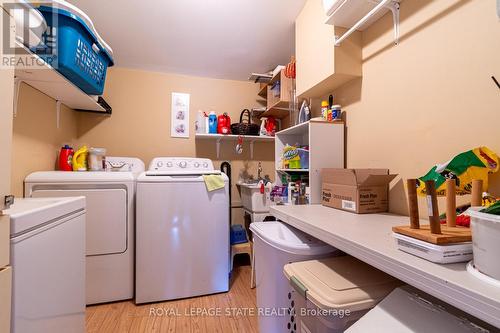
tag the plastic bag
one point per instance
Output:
(493, 209)
(471, 165)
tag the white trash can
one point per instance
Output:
(329, 295)
(275, 245)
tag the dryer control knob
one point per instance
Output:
(196, 164)
(159, 164)
(205, 165)
(183, 164)
(169, 164)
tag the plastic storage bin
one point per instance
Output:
(485, 242)
(329, 295)
(81, 55)
(275, 245)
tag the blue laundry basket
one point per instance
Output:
(78, 54)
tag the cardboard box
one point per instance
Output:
(359, 191)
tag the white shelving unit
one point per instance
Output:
(292, 170)
(360, 14)
(326, 150)
(218, 138)
(46, 79)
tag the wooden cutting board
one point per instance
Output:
(448, 234)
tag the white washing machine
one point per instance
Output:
(47, 251)
(110, 222)
(182, 234)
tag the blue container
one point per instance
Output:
(212, 123)
(238, 234)
(78, 54)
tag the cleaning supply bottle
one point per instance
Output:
(224, 124)
(212, 123)
(324, 110)
(263, 130)
(66, 158)
(80, 159)
(200, 125)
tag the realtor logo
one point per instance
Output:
(28, 42)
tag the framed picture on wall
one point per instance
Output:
(180, 116)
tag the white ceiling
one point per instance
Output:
(212, 38)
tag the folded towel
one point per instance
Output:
(214, 182)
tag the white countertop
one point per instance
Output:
(369, 238)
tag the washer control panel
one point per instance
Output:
(124, 164)
(166, 164)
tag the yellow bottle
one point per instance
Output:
(324, 110)
(80, 159)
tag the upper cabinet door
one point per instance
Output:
(6, 109)
(322, 67)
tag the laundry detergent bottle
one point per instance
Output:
(212, 123)
(66, 158)
(80, 159)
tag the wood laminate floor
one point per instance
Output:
(234, 312)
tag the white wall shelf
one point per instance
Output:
(292, 170)
(218, 138)
(326, 150)
(360, 14)
(46, 79)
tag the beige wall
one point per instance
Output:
(429, 98)
(418, 103)
(139, 126)
(37, 140)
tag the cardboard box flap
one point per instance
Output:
(338, 176)
(378, 180)
(363, 174)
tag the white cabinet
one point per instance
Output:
(4, 240)
(326, 150)
(5, 298)
(322, 67)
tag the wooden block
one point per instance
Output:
(432, 206)
(413, 203)
(448, 234)
(477, 193)
(451, 203)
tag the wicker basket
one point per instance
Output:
(245, 128)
